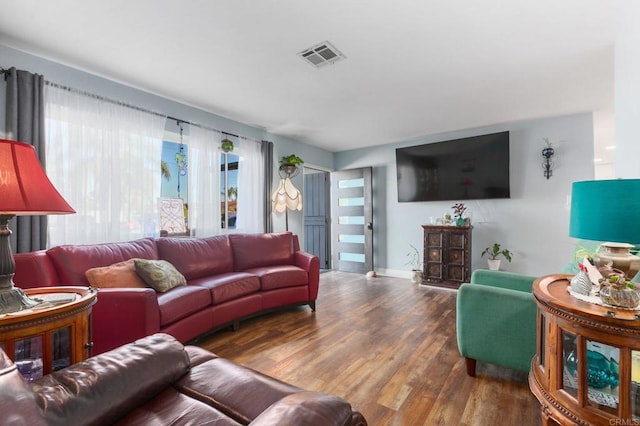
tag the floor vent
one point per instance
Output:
(321, 54)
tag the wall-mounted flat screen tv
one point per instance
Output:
(473, 168)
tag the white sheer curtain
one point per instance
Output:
(105, 160)
(204, 181)
(250, 188)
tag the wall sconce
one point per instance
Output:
(547, 163)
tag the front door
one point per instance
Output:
(352, 217)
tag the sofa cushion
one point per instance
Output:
(72, 262)
(120, 380)
(272, 277)
(229, 286)
(181, 302)
(174, 408)
(197, 257)
(239, 392)
(118, 275)
(255, 250)
(307, 408)
(160, 275)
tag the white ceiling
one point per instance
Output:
(412, 68)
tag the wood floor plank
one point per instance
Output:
(385, 345)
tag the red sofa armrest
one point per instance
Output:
(122, 315)
(311, 264)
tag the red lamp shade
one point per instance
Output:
(25, 189)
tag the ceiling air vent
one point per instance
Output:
(321, 54)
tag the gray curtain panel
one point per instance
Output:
(25, 123)
(267, 157)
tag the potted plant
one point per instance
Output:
(415, 260)
(617, 290)
(289, 163)
(226, 145)
(458, 211)
(493, 252)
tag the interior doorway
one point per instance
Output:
(317, 215)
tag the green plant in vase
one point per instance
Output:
(415, 260)
(458, 211)
(493, 252)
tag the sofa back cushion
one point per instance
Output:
(196, 258)
(34, 269)
(106, 387)
(72, 262)
(256, 250)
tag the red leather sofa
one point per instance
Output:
(229, 277)
(157, 381)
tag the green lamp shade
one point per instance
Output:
(606, 210)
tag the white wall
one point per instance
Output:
(627, 91)
(533, 223)
(77, 79)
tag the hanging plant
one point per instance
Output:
(290, 160)
(226, 145)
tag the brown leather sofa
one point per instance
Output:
(158, 381)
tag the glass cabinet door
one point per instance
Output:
(603, 376)
(61, 348)
(570, 368)
(635, 386)
(28, 357)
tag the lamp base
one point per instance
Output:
(617, 256)
(13, 299)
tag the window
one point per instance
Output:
(105, 158)
(175, 184)
(229, 168)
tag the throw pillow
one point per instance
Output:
(159, 274)
(121, 274)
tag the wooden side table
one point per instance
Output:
(52, 335)
(586, 370)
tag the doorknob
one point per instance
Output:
(369, 225)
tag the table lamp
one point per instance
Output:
(24, 190)
(608, 210)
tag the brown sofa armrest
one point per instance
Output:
(106, 387)
(309, 409)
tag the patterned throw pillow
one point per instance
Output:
(121, 274)
(161, 275)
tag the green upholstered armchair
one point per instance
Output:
(496, 320)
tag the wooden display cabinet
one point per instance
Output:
(447, 255)
(52, 335)
(586, 370)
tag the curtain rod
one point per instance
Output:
(137, 108)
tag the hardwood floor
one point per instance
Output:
(388, 347)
